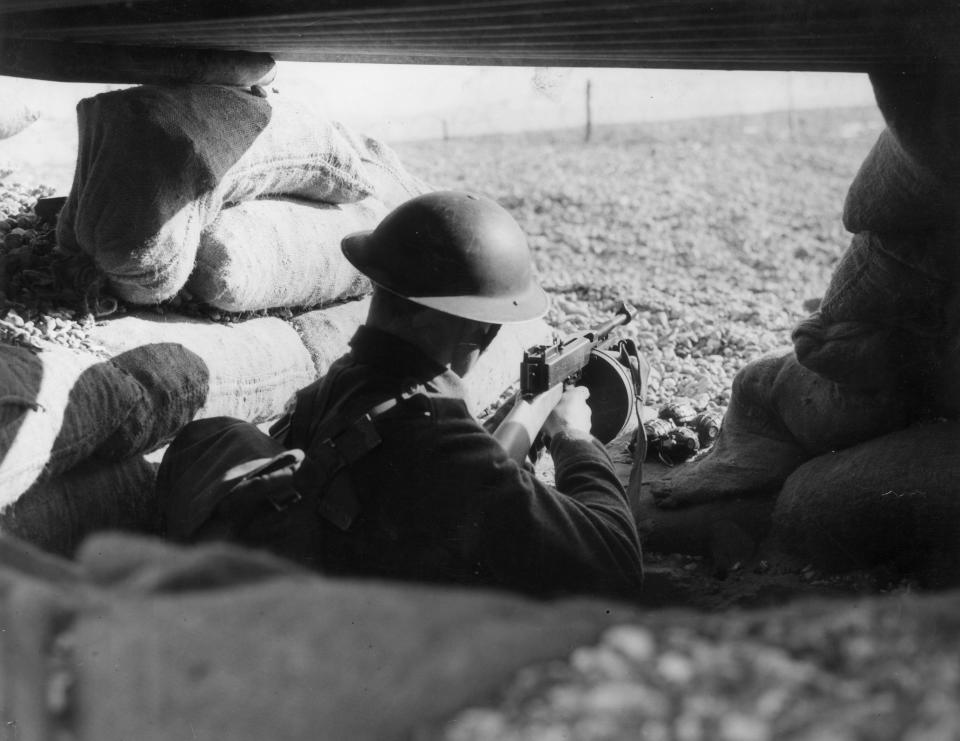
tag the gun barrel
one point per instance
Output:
(623, 316)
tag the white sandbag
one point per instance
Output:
(157, 164)
(272, 253)
(57, 407)
(326, 332)
(390, 181)
(192, 369)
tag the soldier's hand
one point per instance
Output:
(571, 414)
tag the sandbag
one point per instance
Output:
(148, 642)
(910, 180)
(273, 253)
(57, 407)
(781, 414)
(886, 303)
(56, 514)
(157, 164)
(922, 108)
(326, 332)
(16, 118)
(192, 369)
(893, 499)
(390, 181)
(893, 192)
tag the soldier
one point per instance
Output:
(399, 479)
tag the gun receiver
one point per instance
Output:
(544, 366)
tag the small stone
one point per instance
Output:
(634, 642)
(626, 697)
(675, 668)
(13, 240)
(739, 727)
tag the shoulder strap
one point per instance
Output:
(337, 442)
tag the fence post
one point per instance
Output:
(586, 136)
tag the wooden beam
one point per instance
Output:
(65, 61)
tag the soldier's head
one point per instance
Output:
(450, 267)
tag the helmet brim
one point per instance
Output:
(532, 303)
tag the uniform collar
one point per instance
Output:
(396, 357)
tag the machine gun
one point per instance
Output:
(579, 358)
(544, 366)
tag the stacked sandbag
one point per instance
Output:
(891, 315)
(889, 324)
(75, 426)
(265, 254)
(157, 166)
(781, 414)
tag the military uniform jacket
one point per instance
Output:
(439, 500)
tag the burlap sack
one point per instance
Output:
(214, 643)
(192, 369)
(56, 514)
(15, 117)
(910, 181)
(885, 308)
(895, 498)
(270, 253)
(57, 407)
(326, 332)
(781, 414)
(156, 165)
(893, 192)
(390, 181)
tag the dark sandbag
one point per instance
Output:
(781, 414)
(893, 192)
(886, 306)
(57, 407)
(922, 108)
(273, 253)
(895, 498)
(56, 514)
(157, 164)
(153, 652)
(910, 181)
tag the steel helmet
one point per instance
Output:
(459, 253)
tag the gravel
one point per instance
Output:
(878, 670)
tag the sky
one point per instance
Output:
(409, 102)
(402, 102)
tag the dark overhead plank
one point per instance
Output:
(837, 35)
(68, 62)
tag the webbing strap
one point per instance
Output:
(336, 445)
